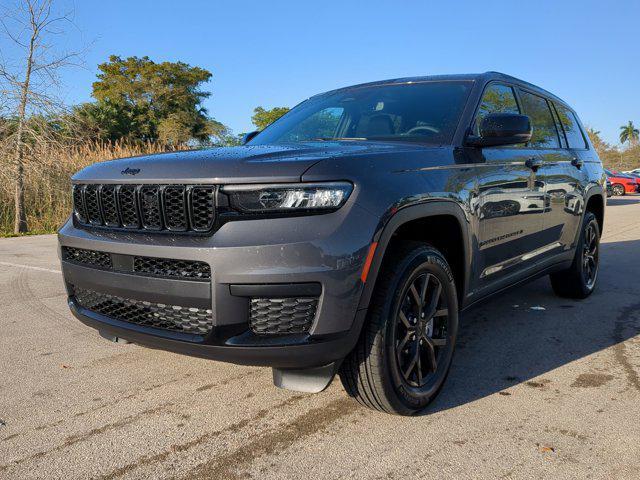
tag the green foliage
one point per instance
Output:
(616, 159)
(138, 99)
(629, 134)
(263, 118)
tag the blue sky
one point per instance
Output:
(278, 53)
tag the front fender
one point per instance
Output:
(414, 212)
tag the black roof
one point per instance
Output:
(480, 77)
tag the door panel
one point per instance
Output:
(564, 189)
(510, 205)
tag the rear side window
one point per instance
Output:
(571, 128)
(545, 134)
(495, 99)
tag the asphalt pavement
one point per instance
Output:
(545, 392)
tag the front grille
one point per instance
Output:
(272, 316)
(157, 267)
(128, 206)
(87, 257)
(164, 267)
(110, 206)
(92, 204)
(151, 208)
(157, 315)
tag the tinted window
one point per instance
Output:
(545, 134)
(426, 112)
(571, 127)
(495, 99)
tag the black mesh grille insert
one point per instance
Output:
(109, 205)
(150, 207)
(128, 206)
(202, 208)
(157, 267)
(87, 257)
(174, 208)
(282, 315)
(168, 317)
(92, 205)
(164, 267)
(78, 204)
(155, 208)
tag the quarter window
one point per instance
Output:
(571, 127)
(496, 99)
(544, 134)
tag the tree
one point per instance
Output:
(142, 100)
(26, 81)
(263, 118)
(629, 134)
(598, 143)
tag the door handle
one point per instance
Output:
(533, 163)
(576, 162)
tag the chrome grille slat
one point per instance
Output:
(148, 207)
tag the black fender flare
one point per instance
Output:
(593, 190)
(408, 214)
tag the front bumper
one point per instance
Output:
(244, 256)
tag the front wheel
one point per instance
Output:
(406, 347)
(579, 280)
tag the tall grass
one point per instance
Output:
(48, 187)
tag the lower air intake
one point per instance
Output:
(157, 315)
(275, 316)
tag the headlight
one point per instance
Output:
(315, 197)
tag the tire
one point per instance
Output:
(579, 280)
(375, 372)
(618, 190)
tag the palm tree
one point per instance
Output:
(629, 133)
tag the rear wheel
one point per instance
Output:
(405, 350)
(579, 280)
(618, 189)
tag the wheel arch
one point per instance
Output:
(595, 202)
(423, 212)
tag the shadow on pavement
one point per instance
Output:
(503, 342)
(612, 202)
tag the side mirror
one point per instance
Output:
(502, 129)
(249, 136)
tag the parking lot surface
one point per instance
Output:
(551, 392)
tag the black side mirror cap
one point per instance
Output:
(502, 129)
(248, 136)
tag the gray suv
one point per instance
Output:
(347, 237)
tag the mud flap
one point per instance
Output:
(112, 338)
(308, 380)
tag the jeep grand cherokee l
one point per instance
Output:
(346, 237)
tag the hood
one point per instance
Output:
(245, 164)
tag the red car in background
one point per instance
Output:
(621, 183)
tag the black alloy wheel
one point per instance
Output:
(420, 334)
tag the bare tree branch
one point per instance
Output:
(27, 87)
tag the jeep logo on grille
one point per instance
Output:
(130, 171)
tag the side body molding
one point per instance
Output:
(414, 212)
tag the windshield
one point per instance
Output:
(425, 112)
